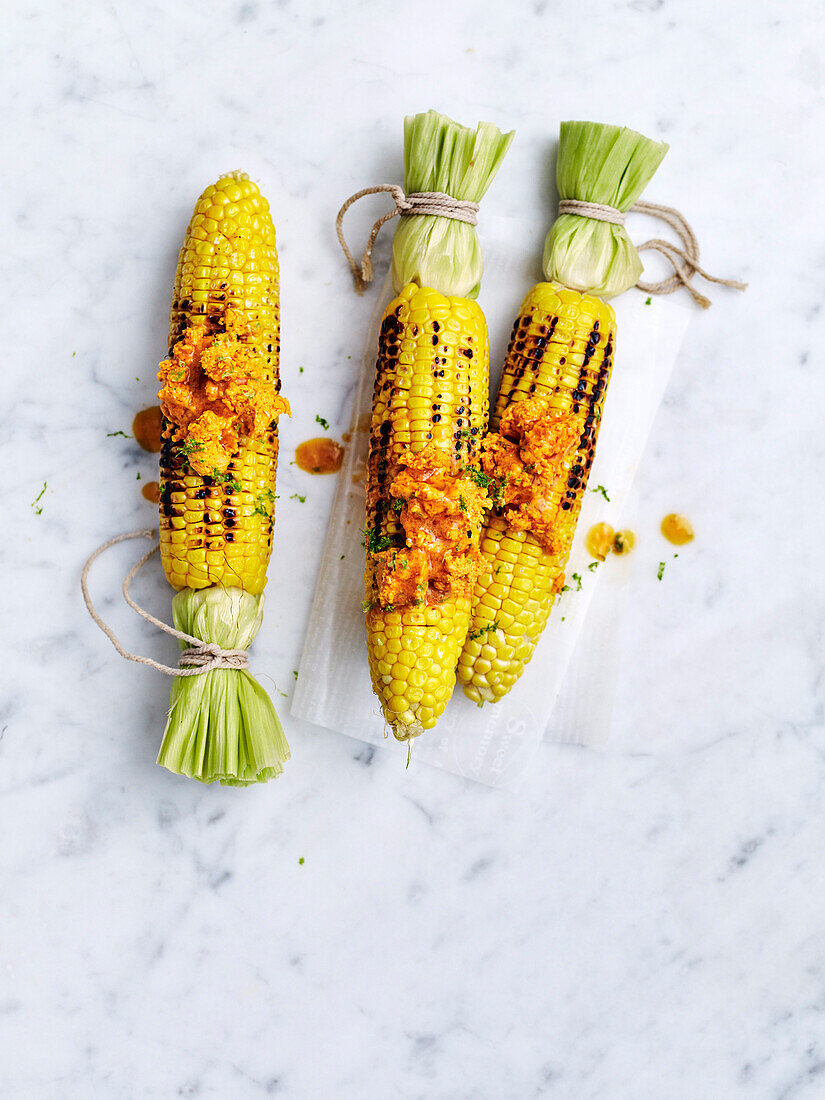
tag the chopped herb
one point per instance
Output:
(324, 423)
(74, 353)
(647, 301)
(188, 447)
(265, 500)
(297, 496)
(563, 618)
(462, 503)
(229, 480)
(110, 435)
(482, 630)
(375, 542)
(137, 477)
(300, 370)
(283, 693)
(676, 555)
(498, 570)
(301, 861)
(398, 505)
(295, 673)
(39, 511)
(367, 605)
(594, 565)
(660, 571)
(477, 475)
(342, 557)
(578, 580)
(601, 489)
(494, 486)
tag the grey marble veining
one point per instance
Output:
(642, 922)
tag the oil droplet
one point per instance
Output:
(151, 491)
(319, 456)
(599, 541)
(677, 529)
(146, 428)
(623, 542)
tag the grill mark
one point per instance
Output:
(586, 450)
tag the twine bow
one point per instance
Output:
(685, 260)
(435, 203)
(200, 657)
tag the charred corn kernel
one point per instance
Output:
(228, 260)
(431, 387)
(561, 349)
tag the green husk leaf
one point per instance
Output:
(441, 155)
(222, 724)
(605, 164)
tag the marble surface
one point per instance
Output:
(643, 920)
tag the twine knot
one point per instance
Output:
(435, 203)
(208, 655)
(685, 260)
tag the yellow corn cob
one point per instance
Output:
(561, 349)
(219, 531)
(431, 387)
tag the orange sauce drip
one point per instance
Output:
(151, 491)
(677, 529)
(599, 540)
(319, 456)
(146, 428)
(624, 542)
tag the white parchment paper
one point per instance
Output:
(495, 744)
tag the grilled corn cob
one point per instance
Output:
(219, 395)
(431, 393)
(216, 527)
(547, 414)
(560, 353)
(425, 495)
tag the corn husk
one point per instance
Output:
(604, 164)
(222, 724)
(441, 155)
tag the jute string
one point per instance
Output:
(685, 260)
(200, 657)
(435, 203)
